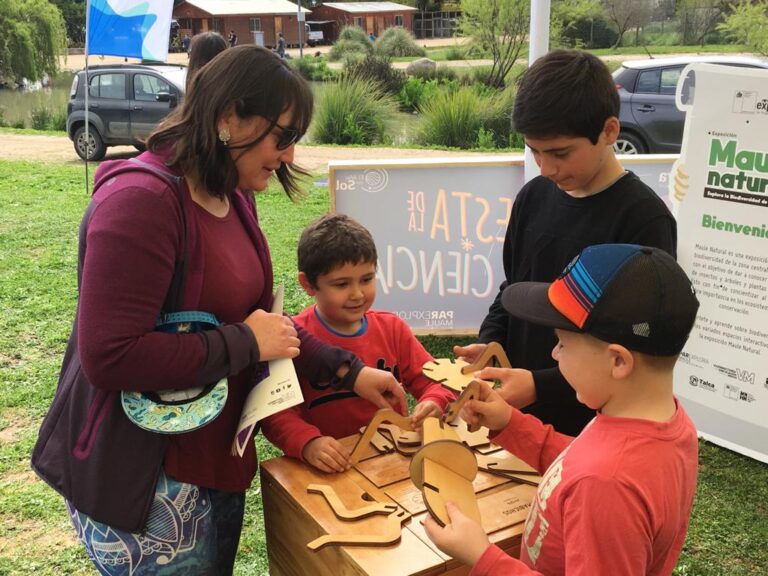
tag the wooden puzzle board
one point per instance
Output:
(294, 517)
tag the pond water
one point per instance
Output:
(18, 105)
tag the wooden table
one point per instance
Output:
(294, 517)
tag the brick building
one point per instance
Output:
(373, 17)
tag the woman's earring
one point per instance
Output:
(225, 136)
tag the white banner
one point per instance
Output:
(721, 186)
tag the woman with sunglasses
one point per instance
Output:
(176, 230)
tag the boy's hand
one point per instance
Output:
(469, 353)
(326, 454)
(382, 389)
(463, 539)
(424, 410)
(517, 386)
(489, 410)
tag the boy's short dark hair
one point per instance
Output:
(565, 93)
(332, 241)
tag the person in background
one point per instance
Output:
(185, 42)
(232, 39)
(280, 45)
(176, 230)
(205, 46)
(567, 109)
(337, 267)
(616, 499)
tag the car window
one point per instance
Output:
(669, 78)
(108, 86)
(147, 87)
(648, 81)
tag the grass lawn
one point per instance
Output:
(42, 206)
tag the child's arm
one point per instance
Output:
(289, 431)
(523, 435)
(465, 540)
(327, 454)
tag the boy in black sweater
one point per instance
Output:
(567, 109)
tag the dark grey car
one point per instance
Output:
(650, 120)
(125, 102)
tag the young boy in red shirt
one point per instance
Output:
(337, 267)
(617, 498)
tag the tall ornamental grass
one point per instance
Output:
(397, 41)
(352, 43)
(353, 111)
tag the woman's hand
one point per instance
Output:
(463, 539)
(326, 454)
(424, 410)
(275, 335)
(381, 388)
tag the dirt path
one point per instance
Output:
(59, 150)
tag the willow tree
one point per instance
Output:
(499, 27)
(32, 36)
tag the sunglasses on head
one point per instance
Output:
(288, 136)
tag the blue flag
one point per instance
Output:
(133, 28)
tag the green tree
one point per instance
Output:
(698, 19)
(568, 19)
(626, 15)
(32, 35)
(748, 24)
(73, 12)
(499, 27)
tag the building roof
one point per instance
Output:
(367, 7)
(237, 7)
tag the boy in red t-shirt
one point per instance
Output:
(337, 267)
(617, 498)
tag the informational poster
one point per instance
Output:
(720, 188)
(439, 227)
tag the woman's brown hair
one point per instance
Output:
(255, 82)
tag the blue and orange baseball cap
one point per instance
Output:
(625, 294)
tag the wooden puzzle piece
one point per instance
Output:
(381, 416)
(406, 443)
(472, 391)
(510, 467)
(389, 535)
(457, 374)
(477, 440)
(443, 469)
(380, 442)
(344, 513)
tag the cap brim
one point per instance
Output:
(530, 301)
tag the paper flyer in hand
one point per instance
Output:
(279, 390)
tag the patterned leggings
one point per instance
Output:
(190, 531)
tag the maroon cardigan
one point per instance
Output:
(87, 449)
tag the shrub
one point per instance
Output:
(378, 68)
(398, 41)
(58, 121)
(454, 53)
(440, 73)
(352, 111)
(313, 68)
(415, 91)
(354, 33)
(3, 121)
(41, 118)
(343, 49)
(452, 119)
(18, 123)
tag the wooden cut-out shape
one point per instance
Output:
(510, 467)
(457, 374)
(443, 470)
(381, 416)
(390, 535)
(400, 436)
(380, 442)
(472, 391)
(386, 469)
(477, 440)
(441, 485)
(344, 513)
(493, 351)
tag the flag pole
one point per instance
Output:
(86, 89)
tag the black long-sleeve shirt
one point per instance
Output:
(547, 229)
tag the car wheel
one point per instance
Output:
(96, 147)
(628, 143)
